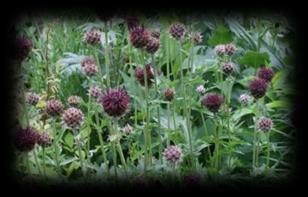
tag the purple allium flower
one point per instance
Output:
(200, 89)
(212, 101)
(264, 124)
(25, 139)
(73, 118)
(139, 74)
(54, 107)
(127, 129)
(155, 33)
(230, 49)
(173, 154)
(177, 30)
(95, 92)
(74, 100)
(220, 49)
(169, 94)
(266, 73)
(228, 68)
(139, 37)
(115, 102)
(258, 88)
(244, 99)
(23, 45)
(196, 37)
(92, 37)
(44, 139)
(32, 98)
(152, 45)
(132, 22)
(88, 66)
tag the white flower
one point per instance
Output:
(200, 89)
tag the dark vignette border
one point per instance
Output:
(14, 13)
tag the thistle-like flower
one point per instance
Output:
(220, 49)
(25, 139)
(258, 88)
(92, 37)
(244, 99)
(264, 124)
(95, 91)
(196, 37)
(169, 94)
(230, 49)
(139, 37)
(73, 118)
(139, 74)
(74, 100)
(177, 30)
(212, 101)
(23, 47)
(173, 154)
(88, 66)
(44, 139)
(228, 68)
(54, 107)
(200, 89)
(152, 45)
(266, 73)
(32, 98)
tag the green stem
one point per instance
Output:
(106, 55)
(78, 142)
(56, 146)
(254, 150)
(168, 123)
(206, 134)
(257, 150)
(119, 146)
(26, 157)
(36, 162)
(44, 162)
(268, 151)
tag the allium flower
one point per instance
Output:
(177, 30)
(95, 92)
(196, 37)
(258, 88)
(92, 37)
(266, 73)
(155, 33)
(139, 37)
(44, 139)
(23, 45)
(169, 94)
(230, 49)
(25, 139)
(152, 45)
(32, 98)
(244, 99)
(220, 49)
(54, 107)
(228, 68)
(173, 154)
(212, 101)
(115, 102)
(74, 101)
(89, 67)
(73, 118)
(132, 22)
(200, 89)
(264, 124)
(139, 74)
(127, 129)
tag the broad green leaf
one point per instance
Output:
(222, 35)
(255, 59)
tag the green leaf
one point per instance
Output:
(221, 36)
(69, 139)
(278, 104)
(255, 59)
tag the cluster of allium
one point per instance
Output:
(23, 47)
(115, 102)
(258, 88)
(245, 99)
(177, 30)
(139, 74)
(74, 100)
(212, 101)
(264, 124)
(127, 129)
(266, 73)
(95, 92)
(228, 68)
(92, 37)
(200, 89)
(54, 107)
(73, 118)
(225, 49)
(88, 66)
(169, 94)
(32, 98)
(173, 154)
(26, 138)
(196, 37)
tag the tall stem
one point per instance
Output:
(168, 123)
(36, 162)
(119, 146)
(55, 145)
(206, 133)
(107, 62)
(254, 150)
(44, 162)
(78, 143)
(268, 150)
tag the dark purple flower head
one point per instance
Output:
(25, 139)
(44, 139)
(73, 118)
(139, 74)
(139, 37)
(173, 154)
(212, 101)
(196, 37)
(152, 45)
(89, 66)
(264, 124)
(228, 68)
(115, 102)
(92, 37)
(54, 107)
(258, 88)
(24, 46)
(32, 98)
(169, 94)
(132, 22)
(266, 73)
(177, 30)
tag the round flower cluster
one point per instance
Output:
(74, 100)
(228, 68)
(177, 30)
(23, 47)
(32, 98)
(25, 139)
(54, 107)
(73, 118)
(44, 139)
(258, 88)
(196, 37)
(200, 89)
(212, 101)
(95, 91)
(169, 94)
(266, 73)
(139, 74)
(173, 154)
(244, 99)
(88, 66)
(225, 49)
(264, 124)
(92, 37)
